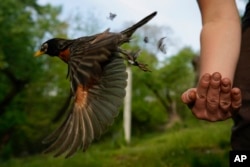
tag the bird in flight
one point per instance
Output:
(162, 45)
(97, 75)
(145, 39)
(111, 16)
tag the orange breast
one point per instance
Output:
(64, 55)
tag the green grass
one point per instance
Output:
(206, 144)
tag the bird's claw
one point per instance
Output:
(131, 58)
(142, 66)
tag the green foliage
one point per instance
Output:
(24, 24)
(168, 79)
(178, 75)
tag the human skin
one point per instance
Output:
(214, 99)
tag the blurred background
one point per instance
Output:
(34, 92)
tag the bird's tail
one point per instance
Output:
(129, 31)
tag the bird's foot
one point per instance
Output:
(131, 58)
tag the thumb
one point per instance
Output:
(189, 96)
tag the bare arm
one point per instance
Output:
(220, 37)
(214, 99)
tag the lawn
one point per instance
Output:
(203, 144)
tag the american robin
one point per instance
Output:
(98, 79)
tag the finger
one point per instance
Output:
(236, 98)
(202, 87)
(213, 94)
(225, 95)
(189, 96)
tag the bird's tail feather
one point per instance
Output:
(129, 31)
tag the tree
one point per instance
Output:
(24, 24)
(178, 75)
(156, 95)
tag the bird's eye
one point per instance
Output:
(44, 47)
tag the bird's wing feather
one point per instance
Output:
(98, 85)
(98, 80)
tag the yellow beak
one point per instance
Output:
(39, 53)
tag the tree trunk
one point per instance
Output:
(173, 116)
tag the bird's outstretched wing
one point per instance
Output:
(98, 81)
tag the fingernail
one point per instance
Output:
(206, 77)
(225, 82)
(216, 76)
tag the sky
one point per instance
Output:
(181, 16)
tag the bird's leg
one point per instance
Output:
(131, 58)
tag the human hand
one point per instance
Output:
(214, 99)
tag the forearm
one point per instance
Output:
(220, 40)
(220, 45)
